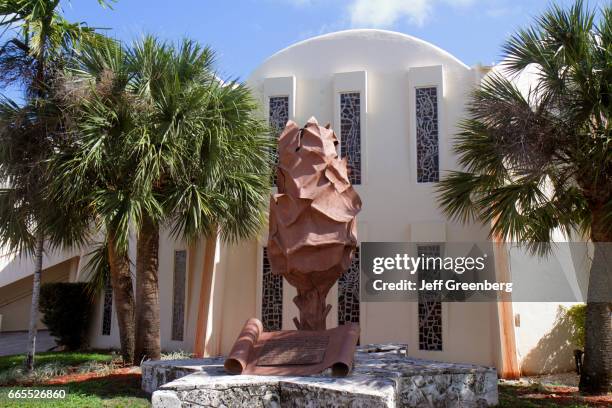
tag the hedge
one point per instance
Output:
(66, 309)
(577, 317)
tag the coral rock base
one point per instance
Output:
(383, 377)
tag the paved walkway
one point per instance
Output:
(16, 342)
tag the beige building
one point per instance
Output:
(394, 102)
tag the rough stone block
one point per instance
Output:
(382, 377)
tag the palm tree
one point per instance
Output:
(542, 162)
(97, 89)
(204, 160)
(31, 131)
(183, 150)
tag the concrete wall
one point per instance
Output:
(166, 290)
(16, 298)
(543, 334)
(15, 266)
(236, 300)
(234, 294)
(543, 338)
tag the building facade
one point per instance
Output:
(394, 102)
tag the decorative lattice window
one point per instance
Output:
(430, 306)
(350, 133)
(272, 297)
(107, 308)
(428, 169)
(277, 118)
(178, 295)
(348, 293)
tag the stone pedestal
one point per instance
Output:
(383, 377)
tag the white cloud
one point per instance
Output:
(385, 13)
(300, 3)
(496, 12)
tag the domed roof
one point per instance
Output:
(359, 49)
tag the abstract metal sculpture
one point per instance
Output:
(313, 231)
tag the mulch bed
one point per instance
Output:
(80, 377)
(562, 396)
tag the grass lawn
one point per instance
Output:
(89, 379)
(67, 358)
(107, 391)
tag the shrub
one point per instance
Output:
(66, 309)
(577, 316)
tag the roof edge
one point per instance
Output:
(366, 30)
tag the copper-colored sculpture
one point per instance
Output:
(313, 232)
(312, 240)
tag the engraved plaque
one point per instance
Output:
(295, 350)
(292, 352)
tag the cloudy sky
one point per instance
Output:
(245, 32)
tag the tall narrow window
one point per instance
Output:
(178, 295)
(107, 309)
(430, 306)
(428, 169)
(278, 117)
(350, 133)
(272, 297)
(348, 293)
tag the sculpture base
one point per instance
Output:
(382, 378)
(293, 352)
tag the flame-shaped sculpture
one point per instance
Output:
(313, 231)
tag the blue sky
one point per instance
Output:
(245, 32)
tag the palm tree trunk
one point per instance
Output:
(38, 256)
(148, 343)
(596, 376)
(201, 346)
(121, 282)
(40, 240)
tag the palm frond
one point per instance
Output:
(540, 160)
(97, 269)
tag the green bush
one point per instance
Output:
(577, 316)
(66, 309)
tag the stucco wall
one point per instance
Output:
(238, 298)
(543, 338)
(234, 295)
(16, 298)
(167, 246)
(15, 266)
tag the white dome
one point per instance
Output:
(354, 50)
